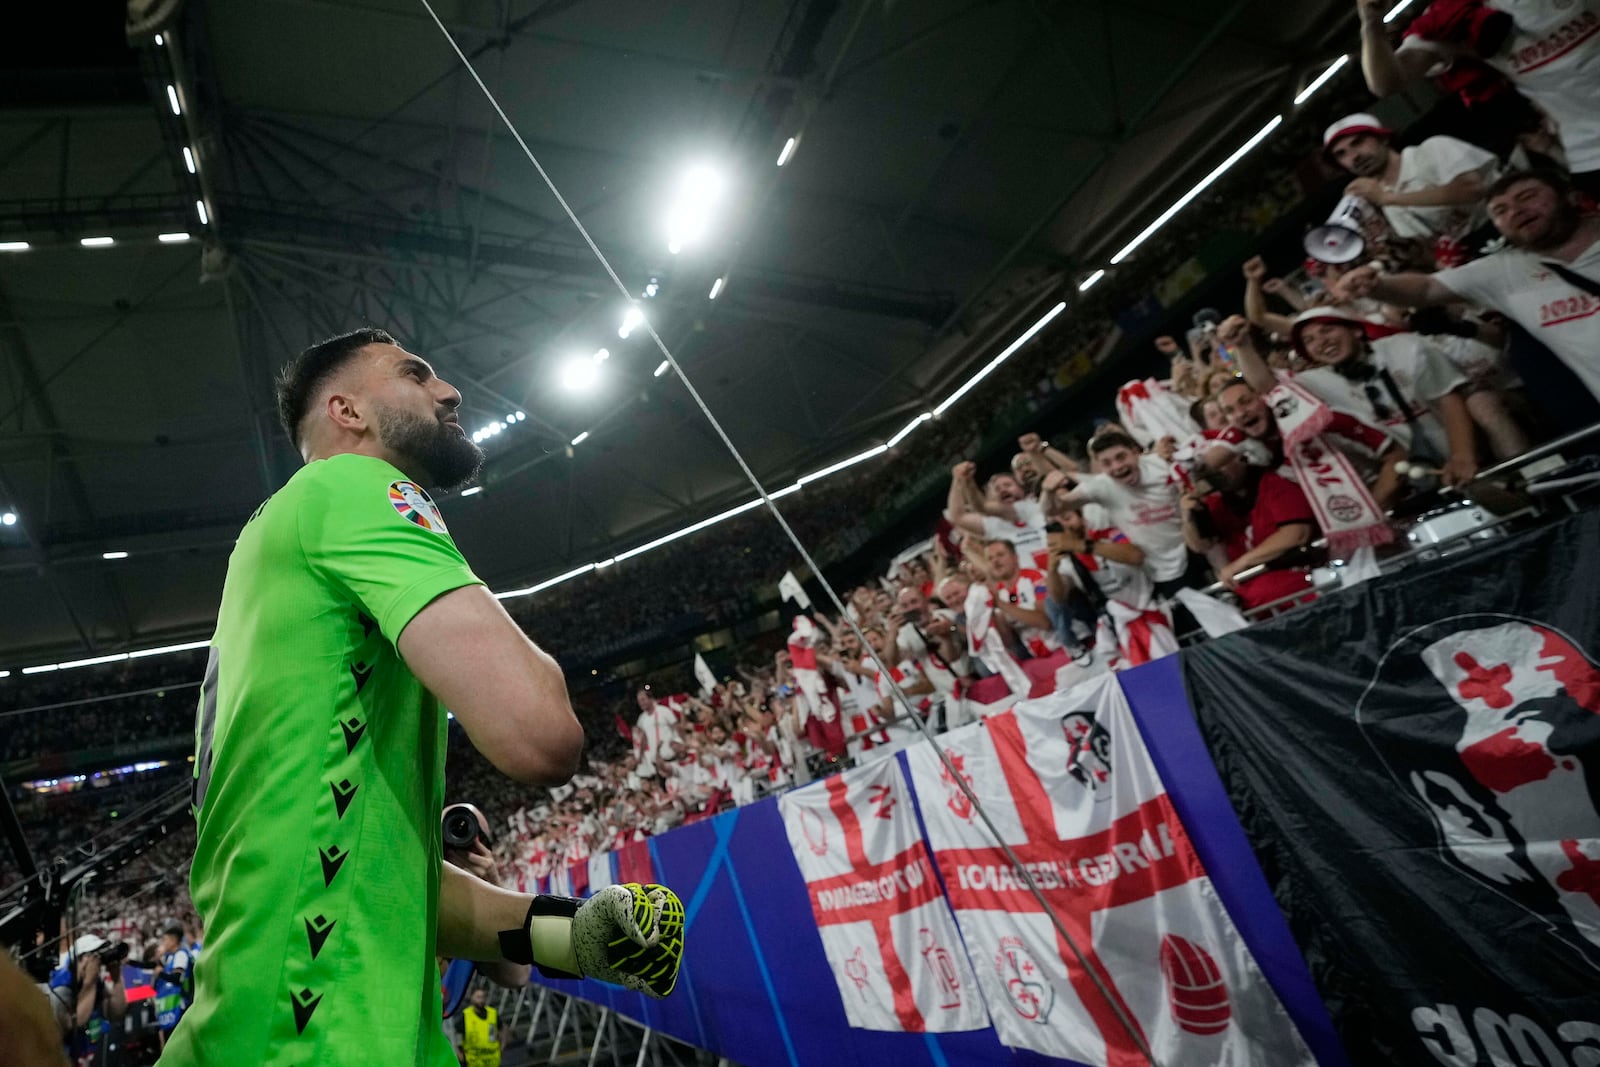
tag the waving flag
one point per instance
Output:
(1069, 784)
(885, 926)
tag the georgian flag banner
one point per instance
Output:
(1070, 785)
(886, 928)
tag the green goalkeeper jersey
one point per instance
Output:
(319, 779)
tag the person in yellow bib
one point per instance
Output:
(480, 1032)
(349, 622)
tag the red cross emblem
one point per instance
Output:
(1487, 684)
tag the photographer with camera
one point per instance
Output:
(467, 838)
(89, 996)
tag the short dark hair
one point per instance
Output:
(1010, 546)
(1102, 442)
(996, 476)
(300, 378)
(1557, 181)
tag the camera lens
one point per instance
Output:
(460, 829)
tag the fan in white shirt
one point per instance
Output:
(1401, 383)
(655, 736)
(888, 708)
(1019, 595)
(930, 638)
(1141, 499)
(1547, 281)
(1548, 49)
(1002, 512)
(1434, 190)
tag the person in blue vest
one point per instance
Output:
(174, 981)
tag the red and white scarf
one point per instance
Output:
(1349, 517)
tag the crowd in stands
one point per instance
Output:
(158, 703)
(1445, 320)
(1448, 317)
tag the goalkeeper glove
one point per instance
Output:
(629, 935)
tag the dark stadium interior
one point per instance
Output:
(910, 236)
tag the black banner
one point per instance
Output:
(1417, 764)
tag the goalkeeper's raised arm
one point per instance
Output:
(629, 935)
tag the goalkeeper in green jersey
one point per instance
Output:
(349, 621)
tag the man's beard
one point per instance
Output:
(1557, 229)
(436, 453)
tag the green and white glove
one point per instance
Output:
(629, 935)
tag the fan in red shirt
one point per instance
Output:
(1255, 517)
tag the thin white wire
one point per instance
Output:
(1021, 870)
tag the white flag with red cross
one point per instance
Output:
(886, 927)
(1069, 784)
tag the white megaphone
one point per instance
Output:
(1343, 238)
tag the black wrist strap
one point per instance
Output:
(517, 946)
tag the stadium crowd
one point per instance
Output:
(1445, 320)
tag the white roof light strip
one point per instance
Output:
(1005, 354)
(834, 468)
(1200, 187)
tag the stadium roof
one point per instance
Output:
(958, 166)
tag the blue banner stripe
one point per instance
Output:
(685, 981)
(1160, 704)
(761, 961)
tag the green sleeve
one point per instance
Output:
(376, 538)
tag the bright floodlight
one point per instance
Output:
(97, 242)
(788, 150)
(8, 518)
(580, 374)
(113, 555)
(716, 286)
(602, 355)
(689, 216)
(172, 98)
(200, 209)
(521, 415)
(172, 238)
(188, 159)
(632, 319)
(662, 369)
(14, 246)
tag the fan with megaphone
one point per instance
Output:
(1349, 231)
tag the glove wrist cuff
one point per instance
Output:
(544, 939)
